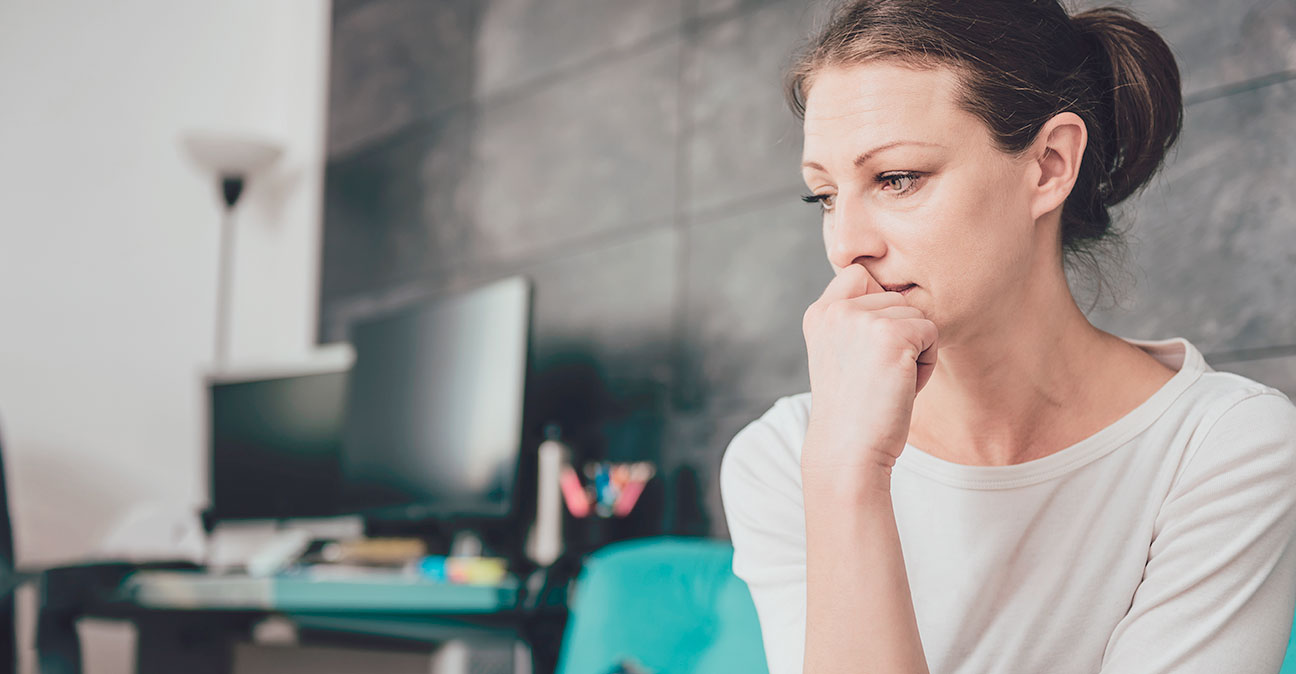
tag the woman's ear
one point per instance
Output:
(1058, 149)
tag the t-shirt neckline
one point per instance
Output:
(1176, 353)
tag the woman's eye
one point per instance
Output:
(901, 183)
(897, 184)
(824, 200)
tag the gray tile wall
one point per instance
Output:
(636, 160)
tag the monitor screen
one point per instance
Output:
(276, 446)
(434, 413)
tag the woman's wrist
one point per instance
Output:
(867, 474)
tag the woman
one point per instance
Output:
(1058, 499)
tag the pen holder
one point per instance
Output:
(609, 489)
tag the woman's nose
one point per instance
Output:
(852, 234)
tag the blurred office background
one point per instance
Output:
(634, 159)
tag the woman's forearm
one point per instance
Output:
(859, 612)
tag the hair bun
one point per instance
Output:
(1143, 100)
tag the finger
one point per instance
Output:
(926, 364)
(930, 344)
(924, 336)
(921, 334)
(852, 281)
(893, 308)
(876, 301)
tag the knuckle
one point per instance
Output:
(810, 319)
(887, 329)
(811, 315)
(837, 311)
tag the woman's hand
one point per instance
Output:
(870, 352)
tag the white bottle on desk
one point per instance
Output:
(545, 540)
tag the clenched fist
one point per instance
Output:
(870, 352)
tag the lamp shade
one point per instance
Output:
(230, 154)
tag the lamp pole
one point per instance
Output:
(231, 190)
(232, 158)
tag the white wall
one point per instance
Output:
(108, 242)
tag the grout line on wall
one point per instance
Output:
(424, 123)
(428, 119)
(1243, 355)
(680, 397)
(676, 395)
(705, 21)
(598, 61)
(1243, 86)
(560, 250)
(744, 205)
(460, 274)
(607, 58)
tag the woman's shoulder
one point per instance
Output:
(782, 426)
(769, 447)
(1219, 393)
(1229, 403)
(1201, 394)
(1236, 426)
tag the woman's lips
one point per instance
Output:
(902, 289)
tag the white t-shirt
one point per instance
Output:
(1163, 543)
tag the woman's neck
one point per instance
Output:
(1009, 394)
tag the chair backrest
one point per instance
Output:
(1289, 661)
(669, 604)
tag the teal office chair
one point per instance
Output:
(673, 606)
(664, 605)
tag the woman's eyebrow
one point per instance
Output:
(863, 158)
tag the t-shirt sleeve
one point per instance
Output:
(760, 489)
(1219, 589)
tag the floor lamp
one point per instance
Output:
(232, 158)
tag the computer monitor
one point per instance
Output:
(434, 412)
(276, 445)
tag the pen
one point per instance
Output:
(577, 501)
(626, 501)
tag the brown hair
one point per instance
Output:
(1020, 62)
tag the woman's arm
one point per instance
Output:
(859, 612)
(870, 353)
(1219, 587)
(760, 488)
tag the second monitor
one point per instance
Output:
(434, 411)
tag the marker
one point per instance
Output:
(626, 501)
(573, 494)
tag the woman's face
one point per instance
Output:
(918, 193)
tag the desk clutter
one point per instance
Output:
(400, 558)
(312, 590)
(610, 489)
(391, 574)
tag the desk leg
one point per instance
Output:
(194, 644)
(58, 646)
(65, 593)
